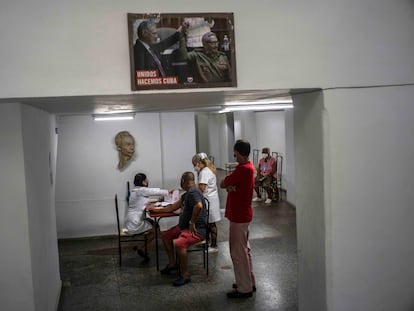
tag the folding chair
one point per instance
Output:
(277, 185)
(128, 238)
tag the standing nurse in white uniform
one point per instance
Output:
(207, 182)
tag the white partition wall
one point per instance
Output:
(310, 202)
(289, 182)
(29, 260)
(178, 146)
(368, 195)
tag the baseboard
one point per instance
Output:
(290, 204)
(57, 303)
(97, 237)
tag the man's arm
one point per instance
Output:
(202, 187)
(229, 188)
(167, 42)
(196, 212)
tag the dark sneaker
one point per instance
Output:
(253, 288)
(169, 270)
(237, 294)
(181, 281)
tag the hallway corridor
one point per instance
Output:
(92, 279)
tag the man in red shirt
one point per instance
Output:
(239, 185)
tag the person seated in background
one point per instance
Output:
(135, 220)
(266, 172)
(190, 230)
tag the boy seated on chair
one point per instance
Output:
(190, 230)
(266, 172)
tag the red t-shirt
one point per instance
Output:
(239, 202)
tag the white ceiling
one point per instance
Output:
(212, 100)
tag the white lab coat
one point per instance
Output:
(138, 200)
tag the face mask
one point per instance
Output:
(264, 155)
(196, 168)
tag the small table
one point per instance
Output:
(157, 217)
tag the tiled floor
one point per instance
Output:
(92, 279)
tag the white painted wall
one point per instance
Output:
(270, 129)
(354, 199)
(78, 49)
(218, 132)
(289, 182)
(246, 128)
(310, 205)
(16, 266)
(203, 138)
(369, 154)
(29, 260)
(87, 173)
(178, 146)
(39, 152)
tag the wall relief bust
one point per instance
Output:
(125, 144)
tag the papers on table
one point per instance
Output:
(171, 198)
(153, 199)
(161, 204)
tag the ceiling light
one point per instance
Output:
(256, 108)
(262, 102)
(113, 117)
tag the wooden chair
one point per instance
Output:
(128, 238)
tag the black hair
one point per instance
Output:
(242, 147)
(188, 176)
(139, 179)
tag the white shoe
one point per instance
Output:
(212, 249)
(257, 199)
(268, 201)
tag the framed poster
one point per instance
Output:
(189, 50)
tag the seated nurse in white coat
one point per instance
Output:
(136, 221)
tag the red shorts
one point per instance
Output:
(183, 238)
